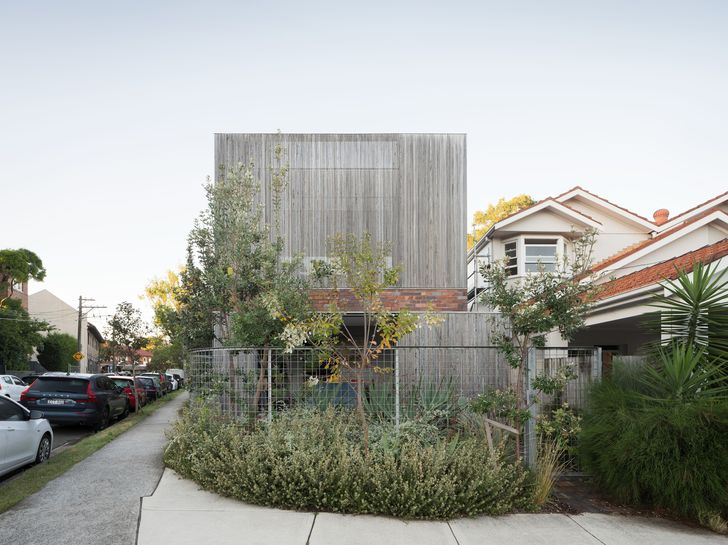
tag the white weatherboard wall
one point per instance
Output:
(46, 306)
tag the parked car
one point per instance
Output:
(29, 379)
(11, 386)
(152, 389)
(179, 374)
(25, 436)
(125, 384)
(161, 378)
(76, 399)
(172, 382)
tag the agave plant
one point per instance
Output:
(683, 373)
(694, 311)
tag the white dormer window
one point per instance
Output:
(540, 254)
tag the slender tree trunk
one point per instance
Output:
(521, 396)
(260, 386)
(360, 410)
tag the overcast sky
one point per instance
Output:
(108, 110)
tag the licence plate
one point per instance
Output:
(56, 402)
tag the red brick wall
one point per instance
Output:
(441, 300)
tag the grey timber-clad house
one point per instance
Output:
(405, 189)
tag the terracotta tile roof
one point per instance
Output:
(604, 200)
(667, 270)
(698, 206)
(650, 241)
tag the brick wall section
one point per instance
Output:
(440, 300)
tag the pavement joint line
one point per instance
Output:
(587, 531)
(313, 523)
(452, 532)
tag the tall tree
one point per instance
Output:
(164, 296)
(126, 333)
(534, 306)
(56, 351)
(18, 266)
(235, 271)
(485, 219)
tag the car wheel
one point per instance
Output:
(104, 420)
(44, 449)
(126, 411)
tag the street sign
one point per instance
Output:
(78, 356)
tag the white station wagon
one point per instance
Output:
(25, 436)
(11, 386)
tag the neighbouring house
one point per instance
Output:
(632, 255)
(19, 292)
(142, 358)
(46, 306)
(405, 189)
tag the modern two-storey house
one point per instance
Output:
(408, 190)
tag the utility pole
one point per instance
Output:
(81, 308)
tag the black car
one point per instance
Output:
(88, 400)
(150, 388)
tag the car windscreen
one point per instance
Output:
(59, 384)
(146, 381)
(122, 383)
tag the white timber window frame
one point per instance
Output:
(524, 252)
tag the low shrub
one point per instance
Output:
(657, 450)
(314, 460)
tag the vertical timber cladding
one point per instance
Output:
(408, 189)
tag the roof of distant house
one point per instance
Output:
(666, 270)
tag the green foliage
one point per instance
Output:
(554, 384)
(693, 311)
(560, 426)
(166, 356)
(670, 453)
(18, 266)
(313, 460)
(680, 372)
(19, 334)
(236, 277)
(434, 403)
(536, 305)
(499, 404)
(56, 351)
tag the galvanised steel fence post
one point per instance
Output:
(597, 364)
(396, 388)
(531, 443)
(270, 386)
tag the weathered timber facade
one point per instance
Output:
(406, 189)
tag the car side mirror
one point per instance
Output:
(36, 415)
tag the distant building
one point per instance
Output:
(44, 305)
(20, 292)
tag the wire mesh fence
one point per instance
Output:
(438, 384)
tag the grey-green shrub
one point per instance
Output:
(312, 460)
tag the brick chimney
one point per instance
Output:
(661, 216)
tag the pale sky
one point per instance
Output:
(108, 110)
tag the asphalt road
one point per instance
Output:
(97, 500)
(68, 435)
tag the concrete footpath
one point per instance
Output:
(181, 514)
(98, 499)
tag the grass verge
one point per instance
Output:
(36, 477)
